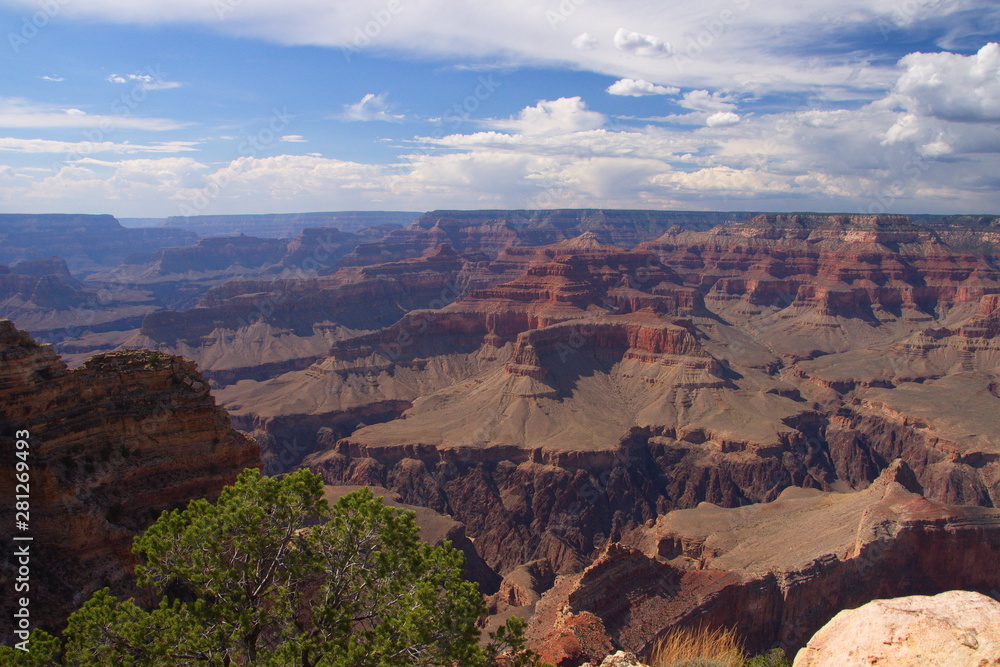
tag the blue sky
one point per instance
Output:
(186, 107)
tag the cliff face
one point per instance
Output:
(719, 568)
(562, 506)
(749, 338)
(112, 444)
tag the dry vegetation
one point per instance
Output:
(699, 647)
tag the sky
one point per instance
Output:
(159, 108)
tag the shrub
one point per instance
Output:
(272, 575)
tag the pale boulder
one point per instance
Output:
(952, 629)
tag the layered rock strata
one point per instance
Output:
(775, 572)
(112, 444)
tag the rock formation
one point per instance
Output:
(43, 297)
(953, 629)
(112, 444)
(555, 381)
(87, 242)
(590, 387)
(494, 231)
(776, 572)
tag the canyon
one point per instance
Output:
(633, 421)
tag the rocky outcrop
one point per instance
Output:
(814, 284)
(777, 572)
(618, 659)
(952, 629)
(112, 444)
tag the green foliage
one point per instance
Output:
(272, 575)
(44, 650)
(773, 658)
(507, 647)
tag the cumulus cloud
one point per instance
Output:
(638, 44)
(144, 81)
(799, 160)
(946, 105)
(722, 119)
(640, 88)
(371, 107)
(584, 41)
(951, 86)
(566, 114)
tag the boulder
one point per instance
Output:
(952, 629)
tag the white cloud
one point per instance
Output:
(55, 79)
(950, 102)
(15, 145)
(640, 88)
(21, 114)
(827, 160)
(702, 100)
(951, 86)
(145, 81)
(906, 128)
(584, 42)
(637, 44)
(738, 45)
(566, 114)
(722, 119)
(293, 139)
(371, 107)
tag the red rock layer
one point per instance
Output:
(113, 444)
(835, 265)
